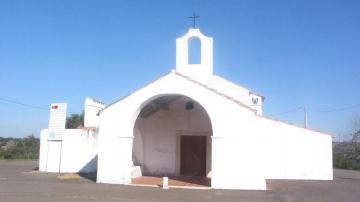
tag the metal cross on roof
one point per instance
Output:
(194, 16)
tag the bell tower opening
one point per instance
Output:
(194, 54)
(194, 50)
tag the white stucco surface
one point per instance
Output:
(235, 91)
(91, 110)
(295, 153)
(229, 122)
(242, 141)
(75, 152)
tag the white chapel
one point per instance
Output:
(189, 122)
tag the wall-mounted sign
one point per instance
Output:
(57, 120)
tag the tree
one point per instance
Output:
(356, 128)
(74, 121)
(346, 154)
(19, 148)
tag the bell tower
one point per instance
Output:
(205, 68)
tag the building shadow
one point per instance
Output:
(89, 171)
(89, 176)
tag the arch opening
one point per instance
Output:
(172, 137)
(194, 48)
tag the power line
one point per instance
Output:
(319, 111)
(306, 110)
(287, 112)
(336, 110)
(29, 105)
(23, 104)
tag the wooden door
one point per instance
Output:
(193, 155)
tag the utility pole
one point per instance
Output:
(305, 117)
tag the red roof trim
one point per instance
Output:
(242, 104)
(216, 91)
(132, 93)
(223, 95)
(238, 85)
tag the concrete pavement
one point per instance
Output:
(18, 183)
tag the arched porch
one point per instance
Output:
(172, 137)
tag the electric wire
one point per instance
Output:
(318, 111)
(23, 104)
(287, 112)
(276, 114)
(336, 110)
(29, 105)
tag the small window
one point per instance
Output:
(255, 100)
(189, 106)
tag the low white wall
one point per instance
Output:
(75, 152)
(293, 152)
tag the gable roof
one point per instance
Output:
(190, 80)
(220, 94)
(148, 84)
(242, 104)
(216, 91)
(238, 86)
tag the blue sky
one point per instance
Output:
(295, 53)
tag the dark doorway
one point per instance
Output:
(193, 155)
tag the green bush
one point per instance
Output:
(19, 148)
(346, 155)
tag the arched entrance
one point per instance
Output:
(172, 137)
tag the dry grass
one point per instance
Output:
(70, 176)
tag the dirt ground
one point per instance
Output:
(19, 183)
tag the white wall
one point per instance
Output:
(91, 110)
(157, 138)
(240, 155)
(76, 152)
(235, 91)
(79, 151)
(293, 152)
(53, 160)
(246, 148)
(43, 150)
(235, 152)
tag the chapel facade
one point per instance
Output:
(189, 122)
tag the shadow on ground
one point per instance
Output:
(89, 176)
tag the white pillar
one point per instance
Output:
(115, 160)
(216, 162)
(43, 150)
(124, 159)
